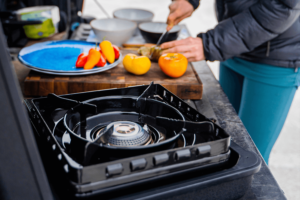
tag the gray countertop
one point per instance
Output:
(215, 104)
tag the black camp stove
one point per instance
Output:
(136, 142)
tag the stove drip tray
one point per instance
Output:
(109, 140)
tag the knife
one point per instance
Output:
(159, 40)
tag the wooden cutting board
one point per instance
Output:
(189, 86)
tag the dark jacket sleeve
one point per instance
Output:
(195, 3)
(249, 29)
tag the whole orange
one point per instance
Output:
(173, 64)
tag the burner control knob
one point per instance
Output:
(182, 154)
(138, 164)
(160, 159)
(114, 169)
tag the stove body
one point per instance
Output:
(140, 142)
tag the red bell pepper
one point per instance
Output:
(102, 60)
(117, 52)
(102, 54)
(81, 60)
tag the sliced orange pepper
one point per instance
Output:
(92, 59)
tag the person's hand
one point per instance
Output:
(179, 10)
(191, 48)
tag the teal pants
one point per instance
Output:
(261, 95)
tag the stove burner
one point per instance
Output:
(126, 128)
(124, 133)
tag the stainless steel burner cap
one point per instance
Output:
(124, 133)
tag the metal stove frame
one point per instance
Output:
(120, 171)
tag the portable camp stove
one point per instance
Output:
(112, 142)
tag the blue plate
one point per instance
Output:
(59, 57)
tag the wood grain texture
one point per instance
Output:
(189, 86)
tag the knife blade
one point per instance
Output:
(159, 40)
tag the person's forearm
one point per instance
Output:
(249, 29)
